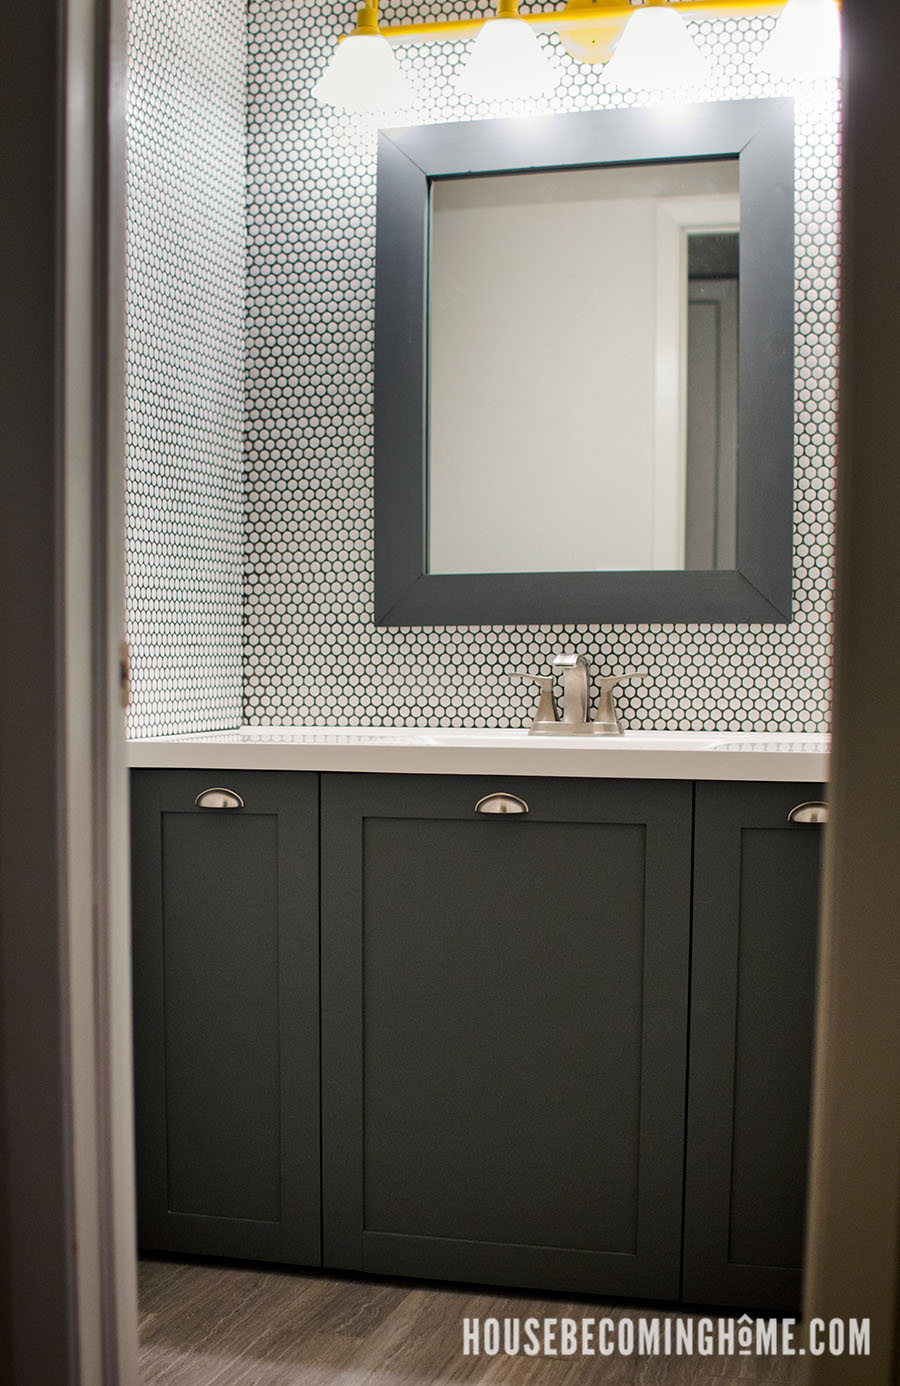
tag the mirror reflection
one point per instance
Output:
(582, 369)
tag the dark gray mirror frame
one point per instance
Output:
(760, 134)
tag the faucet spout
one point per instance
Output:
(575, 687)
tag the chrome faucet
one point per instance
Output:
(576, 720)
(576, 705)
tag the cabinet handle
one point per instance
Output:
(809, 813)
(501, 803)
(219, 799)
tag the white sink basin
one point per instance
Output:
(513, 737)
(492, 750)
(520, 736)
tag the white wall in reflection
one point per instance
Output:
(557, 365)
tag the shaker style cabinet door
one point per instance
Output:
(226, 1013)
(756, 892)
(504, 1030)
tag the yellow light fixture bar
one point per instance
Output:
(582, 14)
(654, 50)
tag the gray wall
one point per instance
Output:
(37, 1308)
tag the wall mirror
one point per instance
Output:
(584, 368)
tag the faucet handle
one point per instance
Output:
(546, 708)
(607, 681)
(606, 722)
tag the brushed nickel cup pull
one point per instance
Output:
(501, 803)
(218, 799)
(809, 813)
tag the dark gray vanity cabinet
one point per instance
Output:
(226, 991)
(504, 1014)
(755, 926)
(522, 1017)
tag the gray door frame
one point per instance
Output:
(67, 1257)
(853, 1243)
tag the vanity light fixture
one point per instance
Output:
(646, 47)
(364, 75)
(506, 60)
(806, 41)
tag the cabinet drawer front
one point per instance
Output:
(504, 1030)
(756, 890)
(226, 1012)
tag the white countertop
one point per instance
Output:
(784, 756)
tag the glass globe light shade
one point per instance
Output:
(655, 52)
(506, 61)
(805, 42)
(363, 75)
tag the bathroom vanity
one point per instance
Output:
(381, 1026)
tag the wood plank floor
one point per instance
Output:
(203, 1324)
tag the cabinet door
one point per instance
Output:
(226, 1015)
(756, 881)
(504, 1030)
